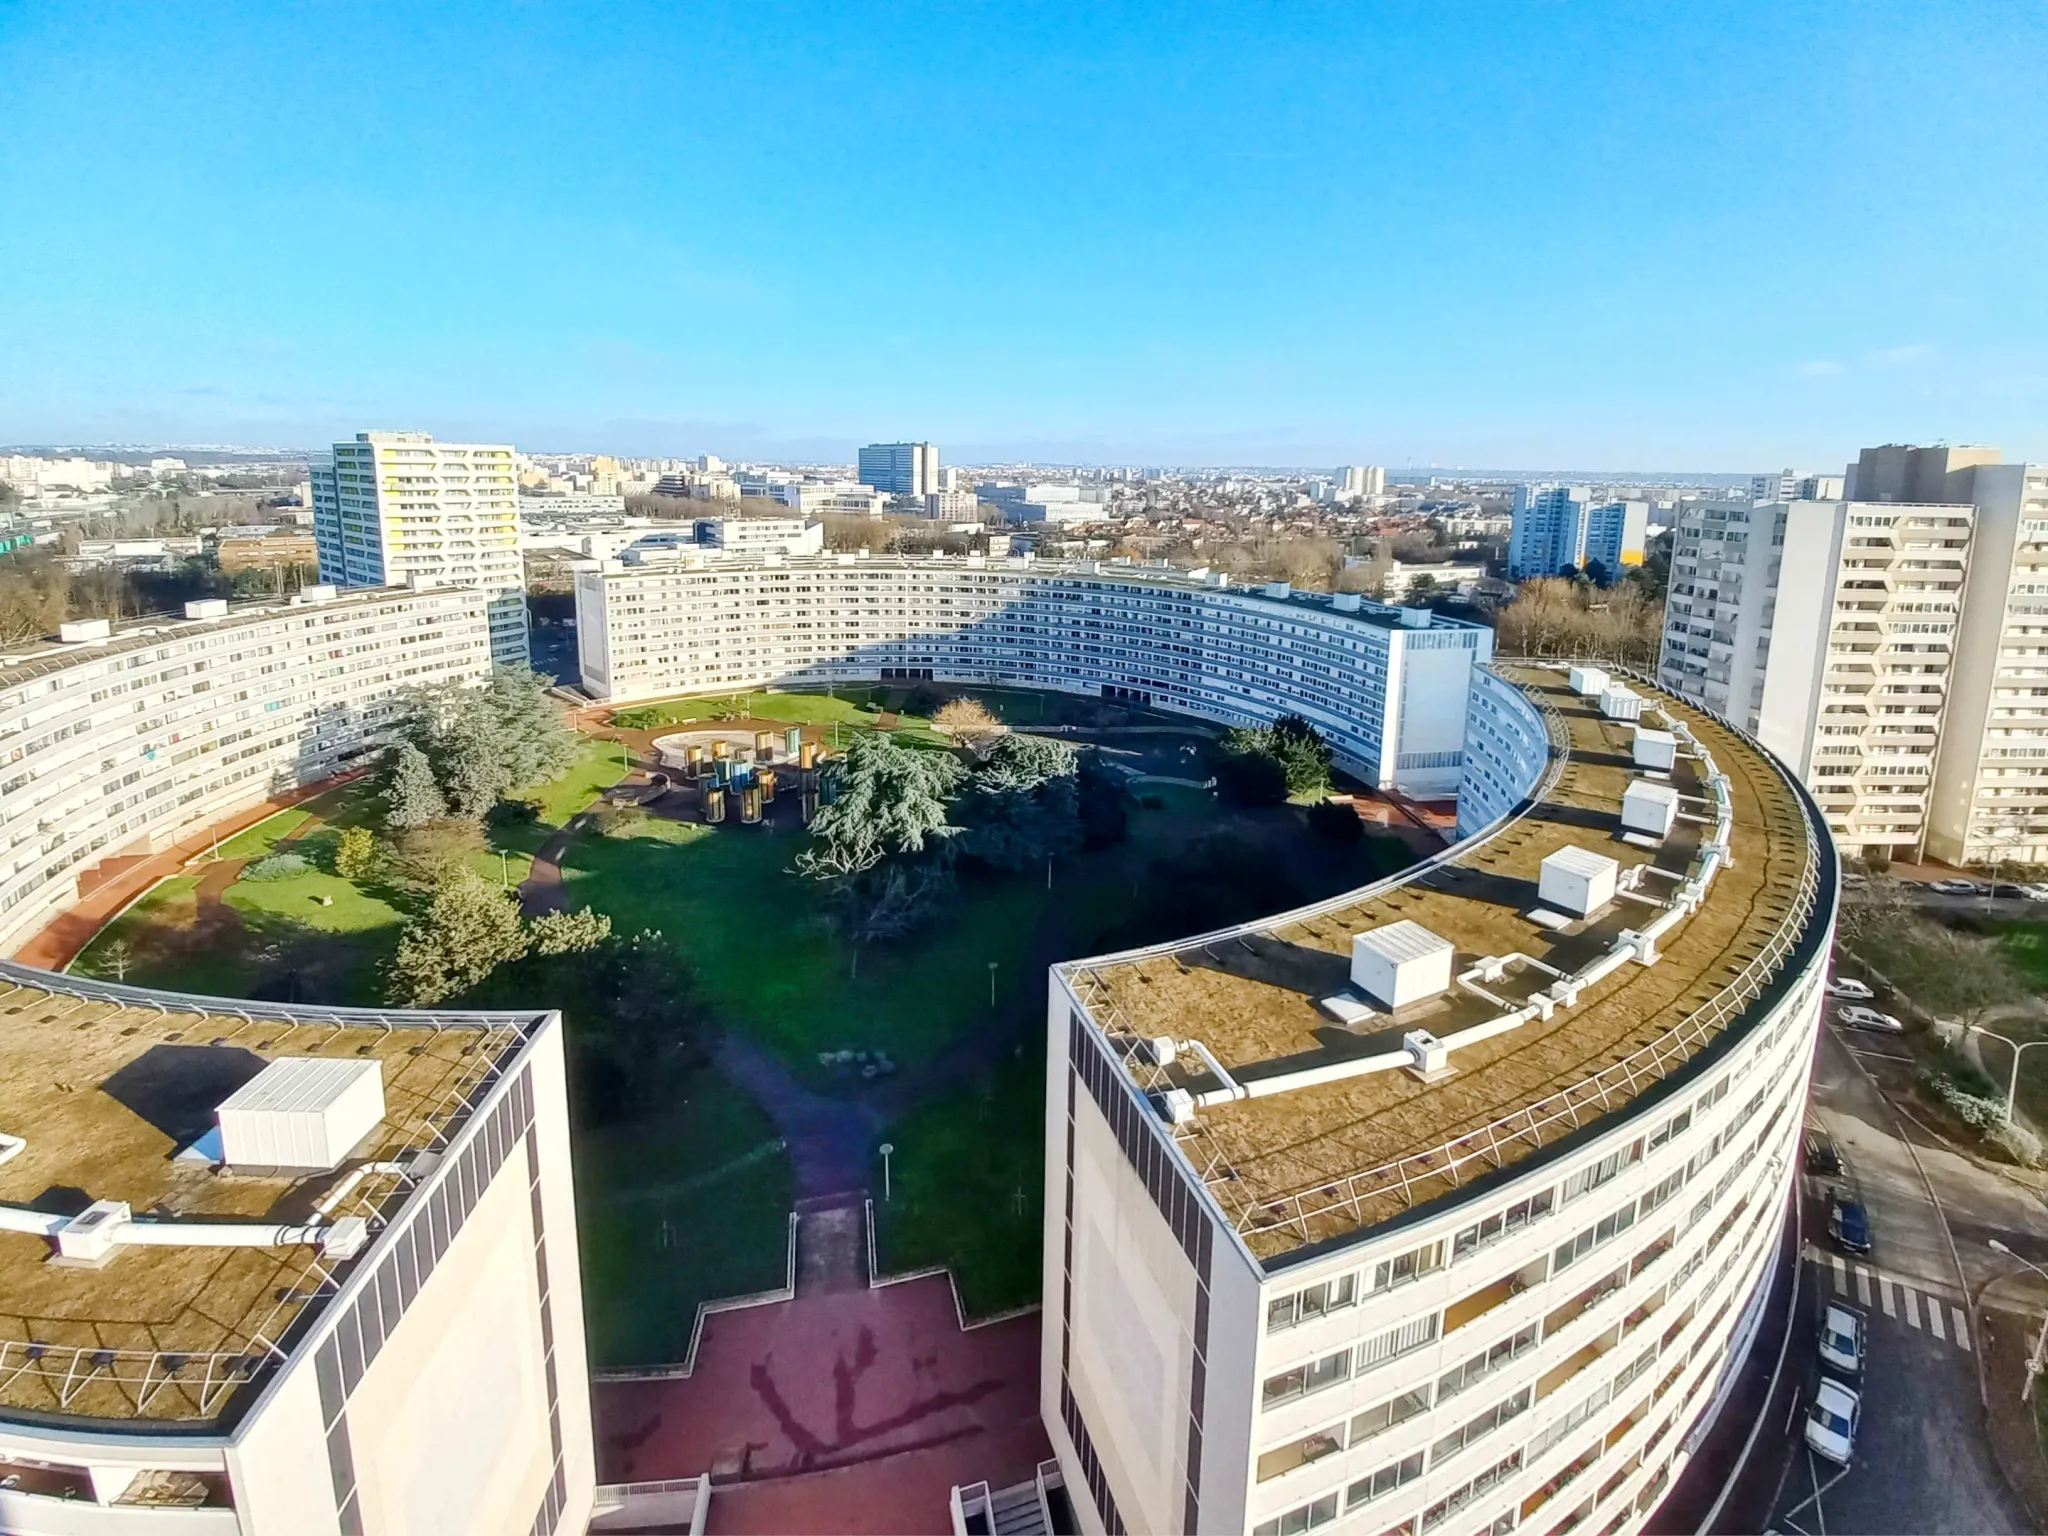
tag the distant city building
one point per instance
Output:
(398, 508)
(758, 535)
(572, 505)
(1795, 485)
(236, 549)
(814, 498)
(900, 469)
(1557, 528)
(952, 507)
(1362, 480)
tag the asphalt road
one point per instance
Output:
(1921, 1463)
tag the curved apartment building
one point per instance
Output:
(1449, 1204)
(115, 741)
(1386, 686)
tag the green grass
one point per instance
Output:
(756, 937)
(254, 842)
(967, 1187)
(2027, 944)
(841, 709)
(673, 1214)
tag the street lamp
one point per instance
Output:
(887, 1148)
(2013, 1087)
(2041, 1342)
(992, 983)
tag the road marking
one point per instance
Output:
(1912, 1306)
(1934, 1319)
(1884, 1291)
(1962, 1329)
(1863, 1285)
(1880, 1056)
(1841, 1274)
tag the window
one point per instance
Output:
(1592, 1177)
(1404, 1267)
(1383, 1482)
(1304, 1379)
(1677, 1125)
(1504, 1223)
(1283, 1459)
(1382, 1417)
(1482, 1365)
(1306, 1518)
(1465, 1493)
(1663, 1191)
(1609, 1226)
(1483, 1424)
(1308, 1305)
(1395, 1342)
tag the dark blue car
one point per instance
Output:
(1849, 1227)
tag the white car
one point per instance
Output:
(1953, 887)
(1852, 1016)
(1831, 1422)
(1849, 989)
(1841, 1340)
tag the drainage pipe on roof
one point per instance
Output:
(11, 1147)
(14, 1219)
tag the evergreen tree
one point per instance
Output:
(892, 799)
(411, 796)
(465, 934)
(355, 854)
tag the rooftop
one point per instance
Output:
(105, 1085)
(1353, 1139)
(22, 663)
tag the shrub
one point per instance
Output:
(355, 855)
(514, 813)
(2016, 1142)
(1335, 820)
(645, 718)
(620, 820)
(277, 866)
(1252, 778)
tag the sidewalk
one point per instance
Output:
(110, 885)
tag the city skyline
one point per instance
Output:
(1593, 242)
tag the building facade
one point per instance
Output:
(1558, 527)
(1386, 686)
(117, 742)
(1501, 1277)
(900, 469)
(398, 507)
(404, 1355)
(1829, 629)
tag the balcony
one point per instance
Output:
(1576, 1362)
(1470, 1308)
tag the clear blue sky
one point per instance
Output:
(1624, 236)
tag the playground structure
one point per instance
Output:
(736, 772)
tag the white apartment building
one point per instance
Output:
(119, 741)
(1829, 630)
(1795, 485)
(1991, 783)
(759, 535)
(1386, 686)
(383, 1339)
(1501, 1275)
(396, 507)
(1362, 480)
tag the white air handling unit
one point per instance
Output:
(1650, 808)
(1577, 880)
(1400, 964)
(1654, 751)
(301, 1112)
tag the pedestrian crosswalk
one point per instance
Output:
(1933, 1309)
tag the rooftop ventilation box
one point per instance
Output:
(301, 1112)
(1588, 682)
(1654, 751)
(1648, 806)
(1577, 880)
(84, 631)
(207, 608)
(1620, 702)
(1400, 964)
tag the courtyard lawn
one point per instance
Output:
(254, 842)
(967, 1186)
(757, 938)
(841, 709)
(671, 1214)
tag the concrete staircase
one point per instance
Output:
(1018, 1512)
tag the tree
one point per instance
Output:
(481, 742)
(1335, 820)
(115, 957)
(968, 721)
(891, 800)
(356, 853)
(892, 899)
(412, 798)
(465, 934)
(561, 933)
(1252, 778)
(426, 855)
(1304, 757)
(1105, 812)
(1023, 807)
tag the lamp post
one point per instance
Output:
(992, 983)
(2040, 1342)
(887, 1197)
(2016, 1046)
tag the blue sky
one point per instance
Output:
(1634, 236)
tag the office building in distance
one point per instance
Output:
(395, 508)
(901, 469)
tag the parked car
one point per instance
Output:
(2032, 892)
(1821, 1153)
(1842, 1332)
(1849, 1226)
(1849, 989)
(1953, 887)
(1832, 1420)
(1854, 1016)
